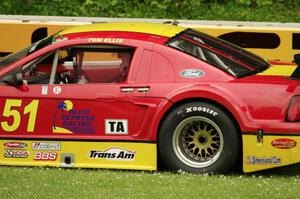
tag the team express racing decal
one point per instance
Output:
(67, 119)
(113, 154)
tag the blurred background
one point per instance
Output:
(232, 10)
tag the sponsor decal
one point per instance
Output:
(67, 119)
(105, 40)
(201, 109)
(263, 160)
(48, 146)
(45, 156)
(15, 153)
(191, 73)
(59, 38)
(116, 127)
(283, 143)
(57, 90)
(117, 154)
(15, 145)
(44, 90)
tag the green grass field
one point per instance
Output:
(35, 182)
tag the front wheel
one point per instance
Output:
(198, 137)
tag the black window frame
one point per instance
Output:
(222, 48)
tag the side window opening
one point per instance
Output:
(80, 65)
(38, 71)
(218, 53)
(207, 56)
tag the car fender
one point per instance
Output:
(222, 97)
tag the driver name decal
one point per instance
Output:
(105, 40)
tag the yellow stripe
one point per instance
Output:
(150, 28)
(115, 155)
(280, 70)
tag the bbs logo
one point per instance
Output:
(45, 156)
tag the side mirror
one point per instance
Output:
(14, 80)
(297, 59)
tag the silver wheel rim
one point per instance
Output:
(198, 142)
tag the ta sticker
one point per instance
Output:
(57, 90)
(116, 127)
(44, 90)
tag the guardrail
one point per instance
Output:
(273, 41)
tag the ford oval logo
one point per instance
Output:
(192, 73)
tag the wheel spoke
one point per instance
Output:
(201, 141)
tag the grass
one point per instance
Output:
(35, 182)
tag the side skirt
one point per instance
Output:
(79, 154)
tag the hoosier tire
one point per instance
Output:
(198, 137)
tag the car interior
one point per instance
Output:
(80, 65)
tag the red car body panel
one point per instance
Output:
(245, 98)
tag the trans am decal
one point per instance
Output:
(69, 120)
(113, 154)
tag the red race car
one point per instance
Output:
(125, 95)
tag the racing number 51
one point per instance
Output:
(30, 109)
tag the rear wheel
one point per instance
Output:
(198, 137)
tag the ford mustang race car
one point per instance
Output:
(125, 95)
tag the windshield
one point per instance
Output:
(14, 57)
(219, 53)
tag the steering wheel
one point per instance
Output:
(63, 78)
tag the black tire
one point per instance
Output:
(198, 137)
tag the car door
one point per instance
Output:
(58, 102)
